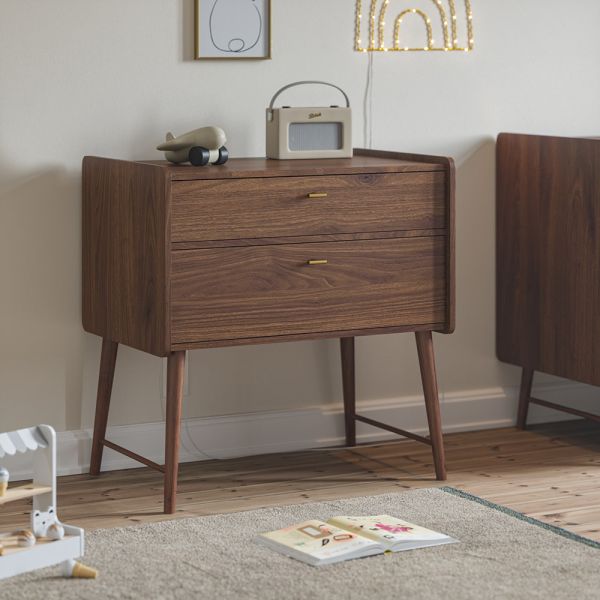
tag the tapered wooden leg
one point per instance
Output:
(108, 361)
(432, 403)
(175, 380)
(524, 395)
(349, 387)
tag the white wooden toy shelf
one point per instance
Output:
(49, 542)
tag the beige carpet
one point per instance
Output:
(500, 556)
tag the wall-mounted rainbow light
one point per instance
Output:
(377, 21)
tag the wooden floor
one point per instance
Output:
(551, 473)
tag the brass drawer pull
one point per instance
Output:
(318, 195)
(317, 262)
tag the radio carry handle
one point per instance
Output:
(297, 83)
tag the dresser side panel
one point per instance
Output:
(125, 239)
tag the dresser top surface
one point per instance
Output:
(263, 167)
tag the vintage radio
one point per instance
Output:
(309, 132)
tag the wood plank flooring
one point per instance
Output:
(551, 473)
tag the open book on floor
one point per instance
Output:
(344, 538)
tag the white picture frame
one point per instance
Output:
(233, 29)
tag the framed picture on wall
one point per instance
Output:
(233, 29)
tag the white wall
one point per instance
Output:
(109, 78)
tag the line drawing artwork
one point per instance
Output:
(235, 26)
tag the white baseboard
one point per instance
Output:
(315, 427)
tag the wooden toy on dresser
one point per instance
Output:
(49, 542)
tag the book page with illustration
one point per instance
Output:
(389, 531)
(319, 543)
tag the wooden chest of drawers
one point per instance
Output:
(257, 251)
(548, 261)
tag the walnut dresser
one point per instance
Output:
(260, 251)
(548, 261)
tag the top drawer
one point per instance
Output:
(293, 206)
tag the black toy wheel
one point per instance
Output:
(223, 156)
(199, 156)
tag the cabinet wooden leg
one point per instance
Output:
(349, 387)
(108, 361)
(524, 396)
(432, 404)
(175, 382)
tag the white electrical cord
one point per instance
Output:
(368, 142)
(186, 425)
(368, 105)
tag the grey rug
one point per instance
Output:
(501, 555)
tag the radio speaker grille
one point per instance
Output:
(316, 136)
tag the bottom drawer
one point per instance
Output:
(264, 291)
